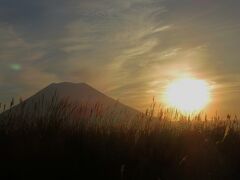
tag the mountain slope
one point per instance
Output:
(77, 94)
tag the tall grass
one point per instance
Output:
(89, 141)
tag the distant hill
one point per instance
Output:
(74, 93)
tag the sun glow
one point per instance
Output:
(188, 95)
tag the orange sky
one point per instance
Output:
(128, 49)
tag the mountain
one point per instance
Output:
(80, 94)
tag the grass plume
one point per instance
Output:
(86, 141)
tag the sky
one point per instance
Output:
(128, 49)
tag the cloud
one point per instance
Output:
(19, 74)
(129, 49)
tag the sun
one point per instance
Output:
(188, 95)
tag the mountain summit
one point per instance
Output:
(74, 93)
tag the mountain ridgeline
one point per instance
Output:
(73, 94)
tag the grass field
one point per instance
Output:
(85, 142)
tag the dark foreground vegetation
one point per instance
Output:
(83, 142)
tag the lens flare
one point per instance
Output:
(15, 67)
